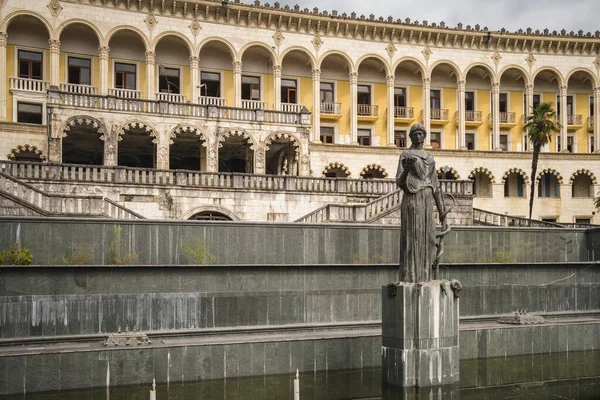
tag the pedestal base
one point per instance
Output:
(420, 334)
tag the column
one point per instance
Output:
(391, 80)
(3, 41)
(194, 78)
(103, 52)
(316, 112)
(353, 108)
(597, 119)
(528, 110)
(277, 87)
(54, 62)
(427, 110)
(562, 92)
(237, 83)
(462, 145)
(496, 116)
(150, 68)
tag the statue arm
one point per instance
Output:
(439, 199)
(401, 173)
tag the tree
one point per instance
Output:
(539, 127)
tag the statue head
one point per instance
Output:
(415, 128)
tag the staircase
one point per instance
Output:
(20, 198)
(488, 218)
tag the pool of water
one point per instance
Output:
(548, 376)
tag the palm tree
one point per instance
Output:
(539, 127)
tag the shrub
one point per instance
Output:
(198, 253)
(115, 255)
(16, 256)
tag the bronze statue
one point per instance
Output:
(417, 177)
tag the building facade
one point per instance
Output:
(227, 87)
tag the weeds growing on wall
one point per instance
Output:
(77, 255)
(116, 255)
(16, 256)
(198, 253)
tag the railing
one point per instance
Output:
(292, 108)
(590, 121)
(331, 108)
(495, 219)
(473, 116)
(575, 119)
(457, 188)
(404, 112)
(143, 176)
(367, 110)
(79, 89)
(125, 93)
(28, 85)
(212, 101)
(439, 114)
(61, 204)
(254, 105)
(507, 117)
(172, 97)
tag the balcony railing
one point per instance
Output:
(507, 117)
(439, 114)
(28, 85)
(367, 110)
(575, 119)
(80, 89)
(172, 97)
(293, 108)
(473, 116)
(404, 112)
(212, 101)
(125, 93)
(591, 122)
(331, 108)
(254, 104)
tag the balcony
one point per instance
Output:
(367, 112)
(293, 108)
(331, 111)
(28, 85)
(590, 123)
(254, 104)
(507, 119)
(212, 101)
(472, 118)
(574, 121)
(439, 116)
(404, 114)
(170, 97)
(125, 93)
(80, 89)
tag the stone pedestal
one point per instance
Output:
(420, 334)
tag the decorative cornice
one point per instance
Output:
(334, 24)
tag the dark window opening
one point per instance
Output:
(168, 80)
(399, 97)
(289, 91)
(125, 76)
(364, 137)
(79, 71)
(29, 113)
(469, 101)
(470, 141)
(210, 84)
(30, 64)
(327, 92)
(327, 134)
(504, 143)
(503, 102)
(210, 216)
(435, 99)
(435, 140)
(400, 139)
(364, 94)
(250, 88)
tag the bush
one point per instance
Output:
(16, 256)
(198, 253)
(77, 255)
(115, 255)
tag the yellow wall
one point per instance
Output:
(228, 90)
(515, 101)
(449, 130)
(380, 99)
(62, 76)
(343, 96)
(186, 87)
(142, 80)
(96, 72)
(483, 131)
(551, 98)
(306, 96)
(582, 107)
(267, 94)
(10, 71)
(415, 100)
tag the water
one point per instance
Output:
(548, 376)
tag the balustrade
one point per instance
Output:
(170, 97)
(29, 85)
(78, 89)
(125, 93)
(292, 108)
(331, 108)
(212, 101)
(440, 114)
(367, 110)
(254, 104)
(404, 112)
(575, 119)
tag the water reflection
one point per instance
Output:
(561, 376)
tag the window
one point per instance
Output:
(503, 102)
(168, 80)
(504, 142)
(470, 141)
(435, 140)
(364, 94)
(525, 142)
(548, 186)
(327, 92)
(210, 84)
(30, 64)
(536, 100)
(125, 76)
(327, 134)
(514, 185)
(250, 87)
(399, 97)
(469, 102)
(400, 139)
(549, 219)
(29, 113)
(435, 99)
(591, 106)
(570, 144)
(289, 91)
(583, 221)
(569, 105)
(79, 71)
(364, 137)
(591, 139)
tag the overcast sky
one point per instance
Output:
(571, 15)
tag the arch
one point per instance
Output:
(560, 78)
(583, 171)
(412, 59)
(119, 28)
(176, 34)
(378, 58)
(593, 77)
(236, 132)
(261, 45)
(483, 171)
(311, 57)
(181, 128)
(284, 135)
(135, 124)
(526, 76)
(373, 167)
(550, 171)
(76, 21)
(336, 165)
(213, 208)
(339, 53)
(489, 69)
(225, 42)
(450, 63)
(516, 171)
(21, 13)
(82, 120)
(25, 148)
(442, 171)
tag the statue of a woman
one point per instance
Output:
(417, 177)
